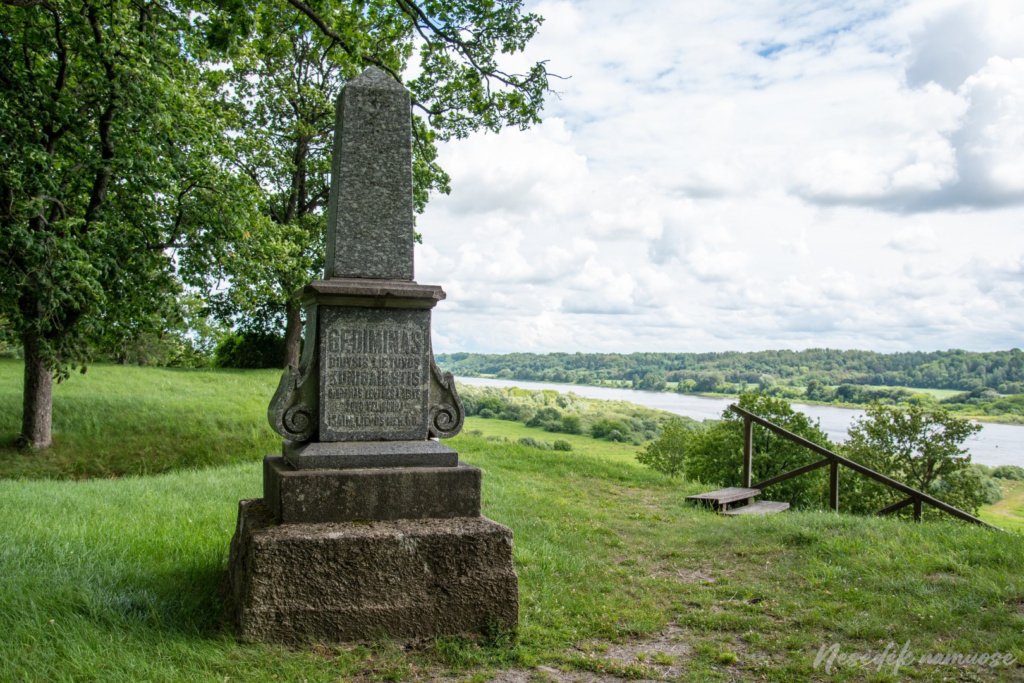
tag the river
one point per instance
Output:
(995, 444)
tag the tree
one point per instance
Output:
(117, 184)
(107, 135)
(665, 454)
(288, 63)
(713, 451)
(923, 449)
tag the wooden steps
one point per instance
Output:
(761, 507)
(722, 499)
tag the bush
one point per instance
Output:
(571, 425)
(562, 445)
(713, 453)
(546, 418)
(610, 430)
(250, 350)
(666, 454)
(1012, 472)
(533, 443)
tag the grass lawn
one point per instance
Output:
(513, 431)
(116, 420)
(120, 579)
(938, 394)
(1008, 513)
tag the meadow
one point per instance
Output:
(113, 548)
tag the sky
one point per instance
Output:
(741, 175)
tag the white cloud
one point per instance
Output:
(743, 175)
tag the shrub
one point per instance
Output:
(609, 429)
(666, 454)
(250, 350)
(713, 453)
(544, 418)
(571, 425)
(1013, 472)
(562, 445)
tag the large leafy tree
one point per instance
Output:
(107, 141)
(122, 175)
(287, 64)
(919, 447)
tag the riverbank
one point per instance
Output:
(1015, 402)
(996, 444)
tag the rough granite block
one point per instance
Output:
(386, 493)
(362, 454)
(343, 582)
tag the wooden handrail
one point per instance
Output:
(915, 496)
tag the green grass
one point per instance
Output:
(513, 431)
(1008, 513)
(938, 394)
(117, 420)
(120, 580)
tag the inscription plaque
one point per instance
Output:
(374, 374)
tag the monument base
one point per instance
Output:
(337, 582)
(303, 496)
(354, 454)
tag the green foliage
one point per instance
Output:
(610, 429)
(561, 445)
(286, 68)
(713, 453)
(666, 454)
(615, 421)
(108, 136)
(546, 418)
(251, 350)
(1012, 472)
(146, 149)
(571, 424)
(921, 448)
(819, 370)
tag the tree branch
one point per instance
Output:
(99, 188)
(336, 37)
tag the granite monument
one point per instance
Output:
(369, 526)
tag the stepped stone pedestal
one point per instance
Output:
(368, 526)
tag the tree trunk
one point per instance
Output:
(37, 406)
(292, 334)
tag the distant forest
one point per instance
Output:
(818, 373)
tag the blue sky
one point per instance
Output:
(746, 175)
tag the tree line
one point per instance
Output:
(813, 371)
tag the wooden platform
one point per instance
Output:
(722, 499)
(726, 496)
(761, 507)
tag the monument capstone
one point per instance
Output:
(369, 526)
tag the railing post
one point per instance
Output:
(748, 450)
(833, 486)
(917, 509)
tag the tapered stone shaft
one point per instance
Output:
(370, 212)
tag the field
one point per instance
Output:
(1008, 513)
(119, 579)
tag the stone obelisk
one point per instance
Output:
(368, 525)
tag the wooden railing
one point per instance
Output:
(833, 461)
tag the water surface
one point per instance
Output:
(995, 444)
